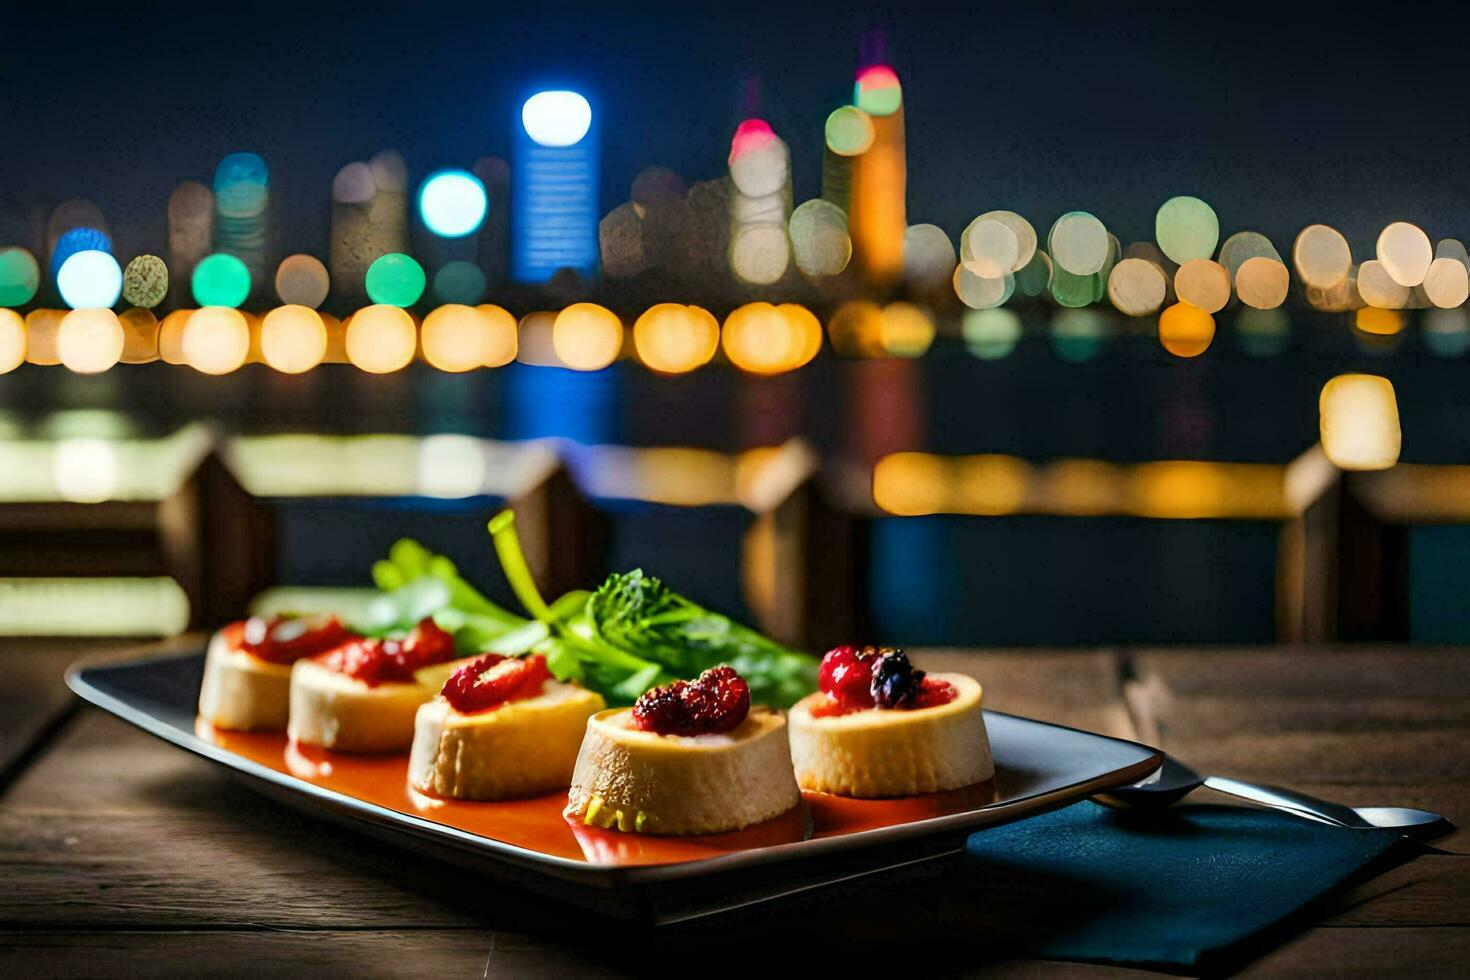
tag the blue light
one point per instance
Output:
(90, 278)
(78, 239)
(553, 189)
(453, 203)
(556, 118)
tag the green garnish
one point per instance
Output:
(634, 633)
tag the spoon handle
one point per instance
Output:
(1285, 799)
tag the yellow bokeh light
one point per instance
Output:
(856, 329)
(293, 338)
(1377, 287)
(216, 339)
(1262, 282)
(140, 335)
(1405, 252)
(381, 339)
(1379, 322)
(89, 341)
(990, 484)
(911, 484)
(171, 336)
(1360, 422)
(1185, 330)
(1203, 283)
(502, 332)
(1321, 256)
(907, 331)
(765, 339)
(456, 338)
(1447, 284)
(12, 341)
(42, 326)
(672, 338)
(587, 337)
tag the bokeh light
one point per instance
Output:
(381, 338)
(1137, 287)
(760, 253)
(907, 330)
(89, 341)
(78, 239)
(1321, 256)
(293, 338)
(216, 339)
(85, 471)
(765, 339)
(1077, 336)
(89, 279)
(42, 327)
(1203, 283)
(302, 280)
(1379, 322)
(502, 335)
(819, 239)
(140, 335)
(856, 329)
(1360, 422)
(556, 118)
(1378, 288)
(587, 337)
(928, 255)
(1405, 252)
(673, 339)
(456, 338)
(145, 281)
(991, 335)
(1447, 332)
(1447, 284)
(20, 276)
(1185, 330)
(989, 249)
(1078, 243)
(979, 293)
(911, 484)
(1262, 282)
(452, 203)
(1262, 332)
(220, 280)
(12, 341)
(459, 282)
(1186, 228)
(877, 91)
(395, 279)
(849, 131)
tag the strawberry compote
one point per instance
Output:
(493, 680)
(718, 700)
(286, 639)
(378, 661)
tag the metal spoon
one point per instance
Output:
(1174, 780)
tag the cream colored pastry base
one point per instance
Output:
(669, 784)
(241, 692)
(877, 753)
(519, 749)
(338, 712)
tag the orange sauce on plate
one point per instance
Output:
(537, 824)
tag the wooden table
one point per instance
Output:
(120, 855)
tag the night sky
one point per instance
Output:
(1277, 116)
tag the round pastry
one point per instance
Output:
(501, 729)
(247, 670)
(690, 758)
(881, 728)
(361, 696)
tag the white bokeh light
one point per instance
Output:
(556, 118)
(453, 203)
(90, 278)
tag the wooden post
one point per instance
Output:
(563, 535)
(805, 558)
(233, 558)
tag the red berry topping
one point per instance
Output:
(716, 701)
(286, 639)
(493, 680)
(375, 661)
(854, 678)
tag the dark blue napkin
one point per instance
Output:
(1176, 888)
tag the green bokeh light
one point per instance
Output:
(459, 282)
(1186, 228)
(395, 279)
(220, 280)
(20, 276)
(849, 131)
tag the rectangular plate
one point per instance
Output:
(1039, 767)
